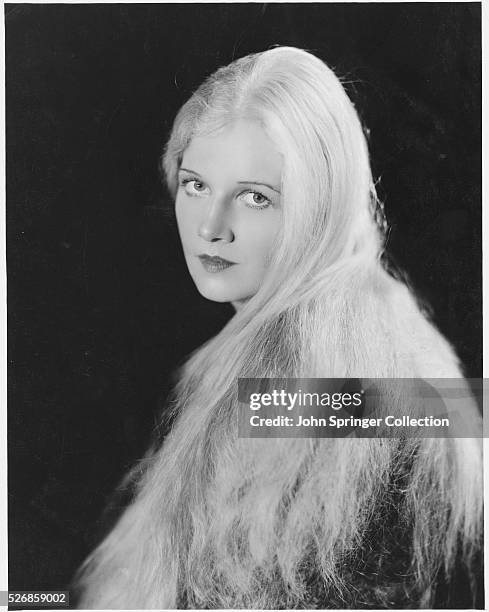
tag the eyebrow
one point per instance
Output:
(259, 183)
(189, 171)
(239, 182)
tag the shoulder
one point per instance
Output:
(421, 349)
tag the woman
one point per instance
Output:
(276, 209)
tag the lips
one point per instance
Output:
(215, 263)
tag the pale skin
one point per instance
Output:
(228, 206)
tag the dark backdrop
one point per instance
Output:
(101, 309)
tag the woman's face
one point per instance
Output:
(228, 210)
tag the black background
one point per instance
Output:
(101, 309)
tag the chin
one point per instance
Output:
(215, 292)
(216, 297)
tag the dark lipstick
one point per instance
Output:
(215, 263)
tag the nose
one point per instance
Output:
(216, 226)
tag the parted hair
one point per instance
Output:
(219, 521)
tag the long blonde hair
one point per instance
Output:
(226, 522)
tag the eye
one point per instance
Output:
(194, 187)
(255, 199)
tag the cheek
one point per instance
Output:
(260, 237)
(185, 220)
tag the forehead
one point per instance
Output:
(243, 151)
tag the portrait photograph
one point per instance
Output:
(244, 305)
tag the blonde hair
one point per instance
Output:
(219, 521)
